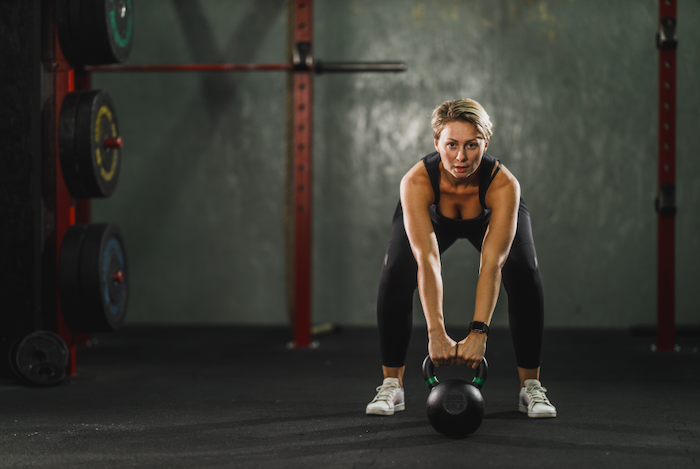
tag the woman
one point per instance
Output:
(460, 191)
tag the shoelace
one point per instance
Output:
(537, 394)
(385, 392)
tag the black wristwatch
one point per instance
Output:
(480, 327)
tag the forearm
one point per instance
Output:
(430, 291)
(487, 289)
(440, 346)
(473, 347)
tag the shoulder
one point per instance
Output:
(415, 184)
(416, 177)
(502, 177)
(503, 189)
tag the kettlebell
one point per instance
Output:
(455, 407)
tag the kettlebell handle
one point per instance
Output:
(431, 380)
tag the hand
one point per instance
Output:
(442, 350)
(471, 350)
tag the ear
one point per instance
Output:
(487, 144)
(436, 146)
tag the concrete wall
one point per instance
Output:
(570, 85)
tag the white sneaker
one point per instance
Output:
(534, 402)
(389, 398)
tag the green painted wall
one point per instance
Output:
(570, 86)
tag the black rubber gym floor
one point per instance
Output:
(237, 397)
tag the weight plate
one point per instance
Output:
(60, 343)
(95, 32)
(93, 278)
(66, 145)
(89, 144)
(42, 357)
(12, 359)
(65, 37)
(118, 16)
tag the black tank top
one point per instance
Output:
(432, 163)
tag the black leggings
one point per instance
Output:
(520, 274)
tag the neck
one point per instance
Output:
(471, 180)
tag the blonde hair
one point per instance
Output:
(461, 110)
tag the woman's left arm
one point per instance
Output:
(503, 197)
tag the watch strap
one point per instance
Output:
(479, 326)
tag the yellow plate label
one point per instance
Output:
(104, 112)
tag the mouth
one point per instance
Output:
(460, 169)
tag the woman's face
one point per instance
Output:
(461, 149)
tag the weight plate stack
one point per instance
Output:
(89, 144)
(95, 32)
(41, 358)
(93, 278)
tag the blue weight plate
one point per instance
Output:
(93, 278)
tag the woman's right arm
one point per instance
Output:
(416, 197)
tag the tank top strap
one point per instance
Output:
(432, 165)
(486, 177)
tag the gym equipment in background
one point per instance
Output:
(299, 163)
(667, 44)
(40, 358)
(93, 279)
(94, 32)
(89, 144)
(44, 195)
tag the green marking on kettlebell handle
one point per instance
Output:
(431, 381)
(121, 41)
(478, 381)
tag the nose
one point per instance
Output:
(460, 156)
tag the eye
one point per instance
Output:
(472, 146)
(451, 144)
